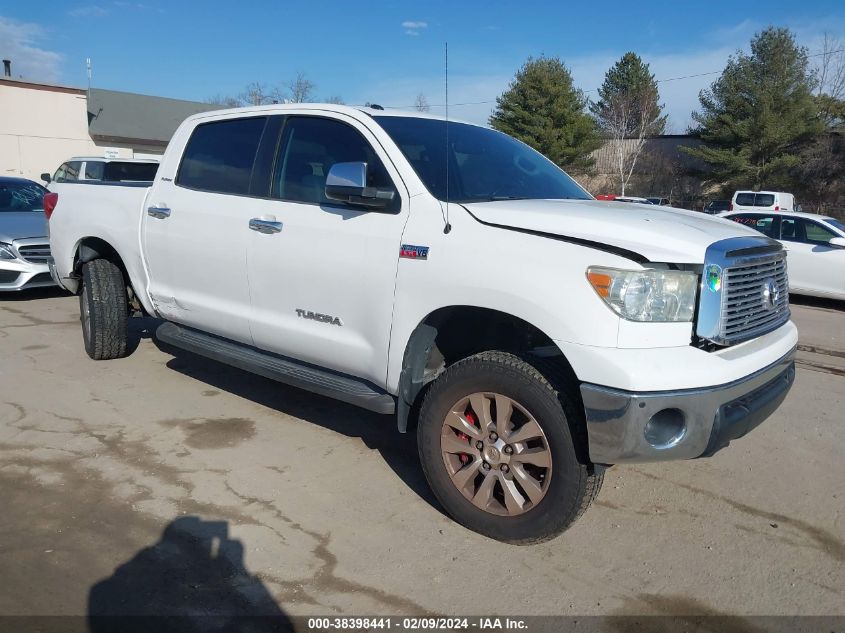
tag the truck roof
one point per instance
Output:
(354, 111)
(113, 160)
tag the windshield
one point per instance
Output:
(21, 196)
(484, 165)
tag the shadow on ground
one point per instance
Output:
(49, 292)
(378, 432)
(193, 579)
(817, 302)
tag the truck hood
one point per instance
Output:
(16, 225)
(659, 234)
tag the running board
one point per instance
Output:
(291, 372)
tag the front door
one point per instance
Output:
(814, 265)
(321, 273)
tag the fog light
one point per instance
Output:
(665, 428)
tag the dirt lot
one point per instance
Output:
(165, 482)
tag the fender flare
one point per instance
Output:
(414, 376)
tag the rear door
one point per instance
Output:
(194, 229)
(323, 281)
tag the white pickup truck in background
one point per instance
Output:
(532, 334)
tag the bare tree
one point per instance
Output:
(335, 99)
(628, 127)
(629, 112)
(257, 93)
(830, 68)
(301, 89)
(226, 101)
(421, 104)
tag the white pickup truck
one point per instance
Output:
(451, 276)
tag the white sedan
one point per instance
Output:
(815, 247)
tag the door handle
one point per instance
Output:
(265, 226)
(158, 212)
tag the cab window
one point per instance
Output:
(93, 170)
(220, 154)
(68, 172)
(309, 148)
(817, 234)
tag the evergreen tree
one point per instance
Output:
(757, 116)
(543, 109)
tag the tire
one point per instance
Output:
(566, 487)
(103, 310)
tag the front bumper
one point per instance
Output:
(19, 275)
(629, 427)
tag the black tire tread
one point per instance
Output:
(105, 291)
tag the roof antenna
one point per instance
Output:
(448, 228)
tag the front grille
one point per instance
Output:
(755, 299)
(35, 253)
(744, 291)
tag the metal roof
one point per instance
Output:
(126, 117)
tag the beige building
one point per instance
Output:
(42, 125)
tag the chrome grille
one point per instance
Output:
(755, 298)
(744, 291)
(35, 253)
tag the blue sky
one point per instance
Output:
(388, 52)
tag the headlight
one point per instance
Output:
(646, 295)
(6, 252)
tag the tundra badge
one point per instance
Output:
(316, 316)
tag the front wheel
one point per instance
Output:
(496, 449)
(103, 310)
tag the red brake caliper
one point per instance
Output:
(470, 416)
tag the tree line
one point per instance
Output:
(772, 120)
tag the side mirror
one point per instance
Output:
(347, 182)
(46, 177)
(837, 242)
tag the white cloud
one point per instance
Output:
(88, 11)
(413, 27)
(19, 42)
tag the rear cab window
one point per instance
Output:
(752, 199)
(219, 156)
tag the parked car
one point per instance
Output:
(349, 268)
(658, 200)
(762, 201)
(715, 207)
(634, 199)
(24, 246)
(815, 248)
(99, 169)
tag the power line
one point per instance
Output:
(660, 81)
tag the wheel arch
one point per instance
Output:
(90, 248)
(451, 333)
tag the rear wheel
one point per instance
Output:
(497, 451)
(103, 310)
